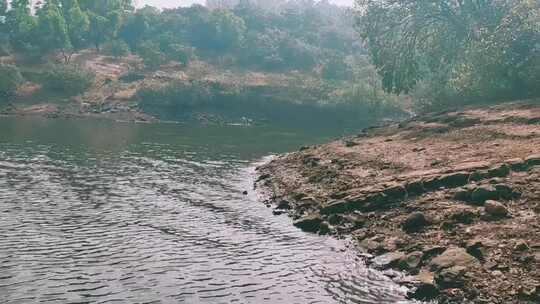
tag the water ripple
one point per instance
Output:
(159, 226)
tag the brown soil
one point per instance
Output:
(451, 198)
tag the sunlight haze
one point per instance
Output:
(176, 3)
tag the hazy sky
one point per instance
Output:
(175, 3)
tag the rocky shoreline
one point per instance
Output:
(452, 199)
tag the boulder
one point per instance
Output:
(284, 205)
(412, 261)
(388, 260)
(453, 256)
(483, 193)
(425, 287)
(453, 277)
(495, 209)
(453, 180)
(416, 221)
(311, 223)
(371, 245)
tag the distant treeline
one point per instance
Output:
(295, 35)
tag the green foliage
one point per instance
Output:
(336, 68)
(78, 23)
(151, 55)
(10, 80)
(228, 30)
(68, 79)
(180, 53)
(20, 26)
(4, 50)
(52, 28)
(117, 49)
(467, 51)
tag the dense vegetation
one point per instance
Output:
(297, 39)
(435, 52)
(453, 51)
(297, 35)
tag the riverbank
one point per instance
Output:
(125, 89)
(450, 198)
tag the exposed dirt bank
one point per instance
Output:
(451, 198)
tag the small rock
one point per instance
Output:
(245, 193)
(521, 246)
(415, 222)
(495, 209)
(310, 223)
(453, 277)
(476, 249)
(350, 143)
(453, 256)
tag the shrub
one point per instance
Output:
(4, 51)
(180, 53)
(10, 80)
(151, 55)
(116, 48)
(70, 79)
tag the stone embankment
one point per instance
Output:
(452, 199)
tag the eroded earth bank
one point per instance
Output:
(452, 198)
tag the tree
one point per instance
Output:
(78, 23)
(476, 40)
(53, 30)
(10, 80)
(21, 26)
(151, 54)
(106, 18)
(117, 48)
(138, 25)
(3, 7)
(229, 30)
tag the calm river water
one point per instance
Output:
(103, 212)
